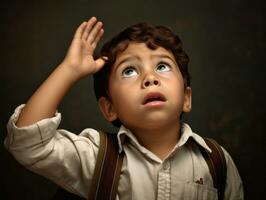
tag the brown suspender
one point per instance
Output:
(107, 169)
(106, 173)
(109, 162)
(217, 165)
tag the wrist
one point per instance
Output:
(69, 72)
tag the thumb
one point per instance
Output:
(100, 62)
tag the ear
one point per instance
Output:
(107, 109)
(187, 100)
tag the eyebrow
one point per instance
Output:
(162, 55)
(126, 59)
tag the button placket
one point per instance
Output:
(164, 182)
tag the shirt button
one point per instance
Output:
(166, 165)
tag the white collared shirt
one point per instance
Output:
(69, 160)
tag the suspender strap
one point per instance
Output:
(217, 165)
(107, 169)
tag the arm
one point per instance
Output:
(233, 187)
(78, 63)
(36, 142)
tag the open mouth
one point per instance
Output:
(154, 97)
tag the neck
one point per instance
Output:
(159, 140)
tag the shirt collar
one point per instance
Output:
(186, 133)
(125, 135)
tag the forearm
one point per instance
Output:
(44, 102)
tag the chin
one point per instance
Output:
(158, 123)
(154, 120)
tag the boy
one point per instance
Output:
(142, 84)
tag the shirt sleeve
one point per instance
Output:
(234, 186)
(59, 155)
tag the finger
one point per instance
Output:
(94, 32)
(88, 28)
(100, 62)
(97, 39)
(80, 30)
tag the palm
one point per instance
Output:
(80, 54)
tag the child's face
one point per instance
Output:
(146, 88)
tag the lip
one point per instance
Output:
(154, 99)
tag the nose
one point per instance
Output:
(150, 80)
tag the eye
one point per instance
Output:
(163, 67)
(129, 72)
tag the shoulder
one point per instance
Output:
(92, 134)
(233, 182)
(234, 185)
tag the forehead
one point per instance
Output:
(140, 50)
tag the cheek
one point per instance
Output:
(175, 89)
(122, 94)
(175, 82)
(124, 102)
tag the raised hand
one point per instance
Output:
(79, 57)
(78, 63)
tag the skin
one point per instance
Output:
(147, 123)
(137, 73)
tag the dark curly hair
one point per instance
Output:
(153, 37)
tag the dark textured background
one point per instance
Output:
(226, 41)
